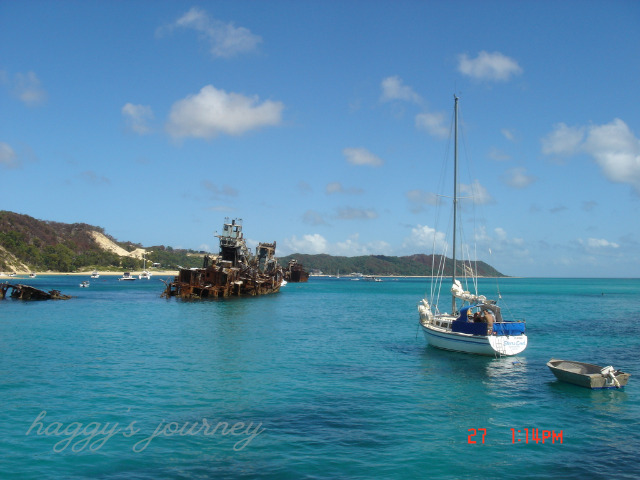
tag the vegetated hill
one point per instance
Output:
(384, 265)
(41, 245)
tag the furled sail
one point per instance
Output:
(458, 292)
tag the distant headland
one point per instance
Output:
(31, 245)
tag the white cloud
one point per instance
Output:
(508, 134)
(25, 86)
(599, 243)
(477, 193)
(8, 157)
(613, 146)
(225, 39)
(212, 112)
(518, 177)
(361, 156)
(352, 247)
(499, 242)
(310, 243)
(489, 66)
(563, 140)
(501, 233)
(424, 238)
(433, 123)
(393, 89)
(28, 89)
(315, 244)
(137, 117)
(616, 149)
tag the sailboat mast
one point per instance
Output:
(455, 197)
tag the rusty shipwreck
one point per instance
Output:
(295, 272)
(235, 271)
(27, 292)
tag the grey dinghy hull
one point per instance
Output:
(587, 375)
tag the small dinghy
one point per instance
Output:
(587, 375)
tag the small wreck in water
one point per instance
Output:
(295, 272)
(234, 272)
(27, 292)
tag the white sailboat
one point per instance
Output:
(145, 273)
(475, 324)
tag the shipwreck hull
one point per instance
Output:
(295, 272)
(214, 283)
(27, 292)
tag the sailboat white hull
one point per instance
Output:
(476, 344)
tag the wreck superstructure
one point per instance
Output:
(235, 271)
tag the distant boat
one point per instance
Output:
(127, 276)
(32, 275)
(95, 274)
(84, 284)
(474, 325)
(587, 375)
(145, 273)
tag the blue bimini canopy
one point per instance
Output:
(509, 328)
(464, 315)
(463, 325)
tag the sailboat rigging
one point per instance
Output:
(477, 325)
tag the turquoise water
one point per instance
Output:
(329, 379)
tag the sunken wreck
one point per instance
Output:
(235, 271)
(27, 292)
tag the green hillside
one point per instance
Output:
(39, 245)
(412, 265)
(27, 243)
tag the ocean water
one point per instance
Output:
(328, 379)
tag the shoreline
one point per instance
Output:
(4, 275)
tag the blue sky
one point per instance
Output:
(324, 125)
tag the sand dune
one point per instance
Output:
(110, 246)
